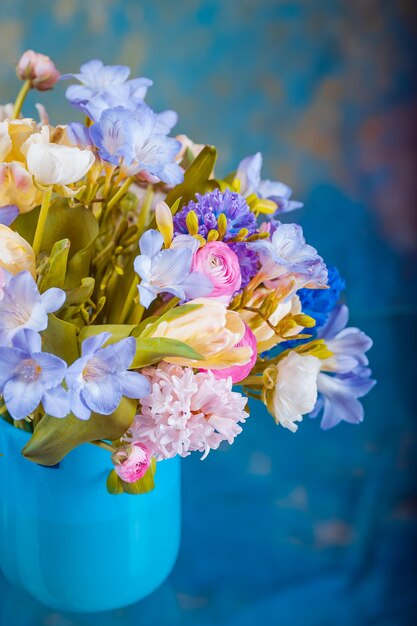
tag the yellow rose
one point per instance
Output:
(265, 336)
(212, 330)
(16, 254)
(17, 187)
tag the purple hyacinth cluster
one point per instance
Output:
(248, 261)
(210, 206)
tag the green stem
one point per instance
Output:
(252, 381)
(3, 410)
(46, 201)
(21, 97)
(136, 315)
(132, 293)
(104, 445)
(120, 193)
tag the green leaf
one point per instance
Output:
(60, 338)
(175, 206)
(57, 266)
(25, 224)
(53, 438)
(114, 484)
(118, 331)
(140, 328)
(196, 178)
(146, 330)
(78, 225)
(80, 294)
(153, 349)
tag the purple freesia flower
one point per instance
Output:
(287, 253)
(99, 378)
(133, 137)
(29, 376)
(8, 214)
(79, 135)
(169, 271)
(344, 377)
(249, 175)
(23, 307)
(111, 135)
(103, 86)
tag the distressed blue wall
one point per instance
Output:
(316, 528)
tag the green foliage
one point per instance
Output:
(53, 438)
(118, 331)
(153, 349)
(196, 178)
(25, 224)
(77, 224)
(60, 338)
(56, 269)
(149, 349)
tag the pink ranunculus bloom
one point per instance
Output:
(217, 261)
(39, 69)
(239, 372)
(131, 461)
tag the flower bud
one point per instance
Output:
(39, 69)
(131, 461)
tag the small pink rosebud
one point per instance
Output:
(131, 461)
(39, 69)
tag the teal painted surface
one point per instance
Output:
(313, 528)
(70, 544)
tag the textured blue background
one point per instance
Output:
(318, 528)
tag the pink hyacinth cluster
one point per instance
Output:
(186, 412)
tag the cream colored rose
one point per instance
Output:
(293, 393)
(212, 330)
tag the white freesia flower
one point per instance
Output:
(54, 164)
(295, 390)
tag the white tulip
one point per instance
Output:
(54, 164)
(295, 390)
(5, 141)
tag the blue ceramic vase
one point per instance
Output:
(73, 546)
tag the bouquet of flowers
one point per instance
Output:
(137, 287)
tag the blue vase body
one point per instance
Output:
(73, 546)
